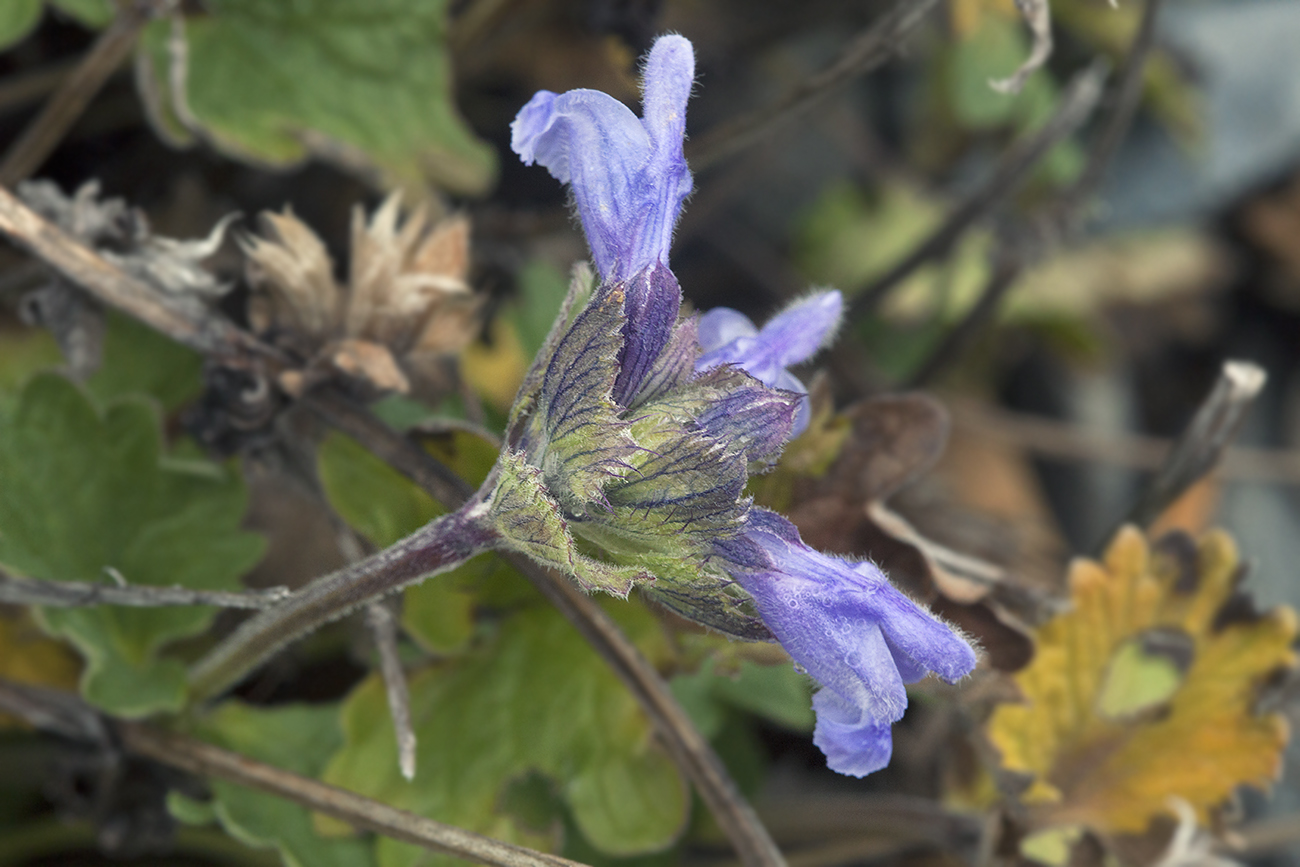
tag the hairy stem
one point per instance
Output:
(15, 590)
(436, 547)
(685, 744)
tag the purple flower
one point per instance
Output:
(849, 628)
(628, 174)
(642, 446)
(790, 337)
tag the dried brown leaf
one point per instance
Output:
(1110, 734)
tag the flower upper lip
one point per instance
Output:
(628, 174)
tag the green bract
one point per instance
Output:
(655, 486)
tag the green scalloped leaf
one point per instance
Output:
(298, 738)
(139, 360)
(537, 699)
(777, 693)
(366, 84)
(384, 506)
(17, 19)
(83, 492)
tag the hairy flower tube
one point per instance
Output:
(628, 448)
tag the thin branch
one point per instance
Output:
(1263, 837)
(51, 711)
(1006, 269)
(863, 54)
(361, 812)
(20, 89)
(688, 748)
(1075, 107)
(1201, 445)
(442, 544)
(74, 93)
(77, 594)
(383, 629)
(1063, 441)
(81, 265)
(1127, 97)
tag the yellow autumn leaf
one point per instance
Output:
(1108, 735)
(28, 656)
(495, 369)
(966, 14)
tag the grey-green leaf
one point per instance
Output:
(366, 84)
(17, 19)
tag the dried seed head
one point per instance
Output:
(293, 270)
(402, 276)
(406, 306)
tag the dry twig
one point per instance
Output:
(1038, 15)
(1201, 445)
(64, 714)
(74, 93)
(212, 335)
(1076, 106)
(77, 594)
(383, 628)
(863, 54)
(1127, 95)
